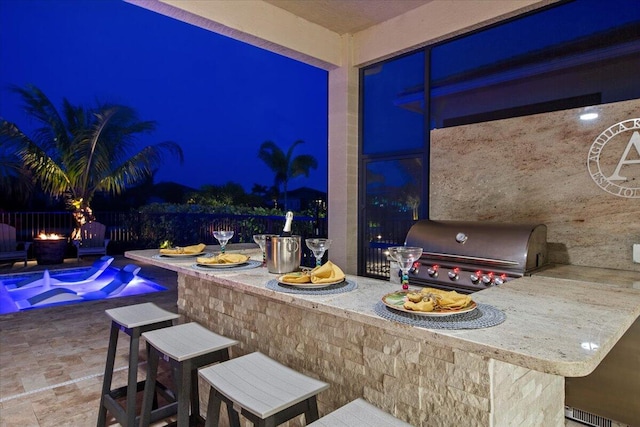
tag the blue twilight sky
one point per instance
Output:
(216, 97)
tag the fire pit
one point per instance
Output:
(49, 248)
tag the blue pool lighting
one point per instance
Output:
(25, 291)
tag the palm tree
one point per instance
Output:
(285, 166)
(16, 183)
(79, 151)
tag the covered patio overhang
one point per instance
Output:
(341, 36)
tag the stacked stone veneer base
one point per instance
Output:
(423, 383)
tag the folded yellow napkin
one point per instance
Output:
(441, 299)
(223, 259)
(454, 300)
(297, 277)
(327, 273)
(193, 249)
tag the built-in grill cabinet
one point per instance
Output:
(471, 256)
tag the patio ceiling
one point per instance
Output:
(347, 16)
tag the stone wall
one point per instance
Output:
(534, 169)
(422, 383)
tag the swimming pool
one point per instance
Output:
(26, 291)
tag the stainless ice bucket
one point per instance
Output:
(283, 253)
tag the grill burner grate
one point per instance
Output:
(471, 256)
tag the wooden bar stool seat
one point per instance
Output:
(133, 320)
(186, 347)
(262, 390)
(359, 413)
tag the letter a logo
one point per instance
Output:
(624, 160)
(625, 180)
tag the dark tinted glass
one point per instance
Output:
(393, 203)
(391, 120)
(577, 54)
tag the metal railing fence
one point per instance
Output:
(134, 230)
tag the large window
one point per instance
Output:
(394, 102)
(574, 54)
(393, 153)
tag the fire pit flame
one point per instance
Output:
(52, 236)
(49, 248)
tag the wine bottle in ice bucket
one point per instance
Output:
(283, 251)
(286, 231)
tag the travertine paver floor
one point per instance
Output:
(52, 359)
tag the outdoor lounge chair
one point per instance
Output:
(97, 268)
(9, 247)
(92, 241)
(60, 295)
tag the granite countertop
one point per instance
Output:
(553, 324)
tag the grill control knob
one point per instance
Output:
(415, 268)
(487, 280)
(498, 281)
(474, 279)
(453, 275)
(433, 272)
(461, 238)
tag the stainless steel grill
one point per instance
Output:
(471, 256)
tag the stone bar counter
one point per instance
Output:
(505, 375)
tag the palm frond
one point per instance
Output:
(137, 168)
(35, 159)
(15, 178)
(83, 150)
(38, 105)
(302, 164)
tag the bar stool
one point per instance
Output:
(359, 413)
(262, 390)
(133, 320)
(186, 347)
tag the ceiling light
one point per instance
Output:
(588, 116)
(589, 346)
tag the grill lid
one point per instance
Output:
(517, 248)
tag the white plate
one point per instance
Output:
(182, 255)
(395, 301)
(309, 284)
(225, 265)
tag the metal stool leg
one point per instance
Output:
(108, 373)
(132, 382)
(311, 414)
(213, 410)
(184, 386)
(195, 393)
(150, 385)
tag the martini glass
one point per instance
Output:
(261, 240)
(405, 256)
(318, 247)
(223, 237)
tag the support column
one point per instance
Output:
(343, 161)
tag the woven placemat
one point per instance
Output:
(484, 316)
(246, 266)
(346, 286)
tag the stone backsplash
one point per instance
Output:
(535, 169)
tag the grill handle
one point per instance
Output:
(470, 259)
